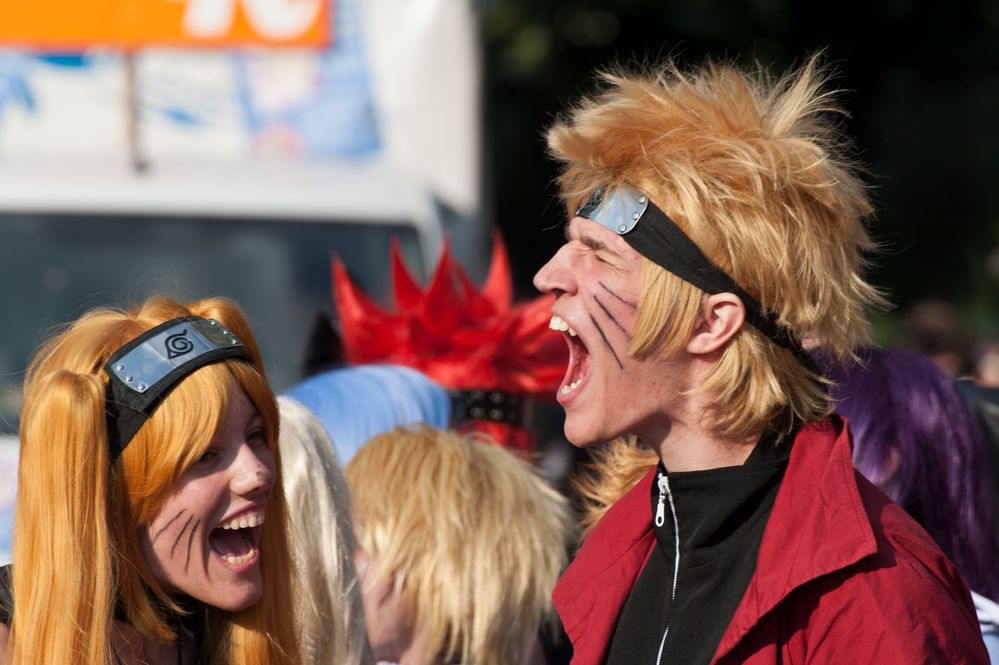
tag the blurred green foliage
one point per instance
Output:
(921, 81)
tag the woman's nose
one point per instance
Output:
(253, 471)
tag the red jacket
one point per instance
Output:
(843, 575)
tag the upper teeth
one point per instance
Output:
(244, 522)
(558, 323)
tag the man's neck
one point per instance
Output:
(698, 453)
(683, 444)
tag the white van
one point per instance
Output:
(263, 241)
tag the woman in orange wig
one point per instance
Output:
(150, 525)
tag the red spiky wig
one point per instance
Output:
(491, 352)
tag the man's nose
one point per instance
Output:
(555, 276)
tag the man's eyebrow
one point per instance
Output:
(585, 238)
(588, 240)
(594, 244)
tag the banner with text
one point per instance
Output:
(76, 24)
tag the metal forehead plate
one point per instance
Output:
(619, 210)
(145, 365)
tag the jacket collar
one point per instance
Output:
(818, 525)
(590, 594)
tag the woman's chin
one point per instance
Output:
(231, 598)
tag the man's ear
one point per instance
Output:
(722, 316)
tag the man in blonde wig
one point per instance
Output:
(461, 543)
(716, 228)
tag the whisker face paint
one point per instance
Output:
(167, 525)
(181, 534)
(632, 306)
(190, 541)
(610, 316)
(606, 341)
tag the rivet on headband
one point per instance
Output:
(495, 405)
(659, 239)
(144, 371)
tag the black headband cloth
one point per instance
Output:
(495, 405)
(660, 240)
(144, 371)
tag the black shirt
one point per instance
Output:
(189, 626)
(6, 596)
(720, 515)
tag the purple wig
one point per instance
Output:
(914, 437)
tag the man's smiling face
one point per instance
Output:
(597, 280)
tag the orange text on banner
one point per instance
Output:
(74, 24)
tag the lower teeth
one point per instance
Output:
(243, 558)
(570, 387)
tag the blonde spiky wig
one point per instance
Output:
(753, 170)
(472, 537)
(77, 556)
(331, 620)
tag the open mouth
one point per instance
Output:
(579, 358)
(237, 540)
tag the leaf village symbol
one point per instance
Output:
(178, 344)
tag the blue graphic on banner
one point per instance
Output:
(14, 88)
(66, 59)
(17, 68)
(330, 114)
(339, 118)
(8, 490)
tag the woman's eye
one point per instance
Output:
(256, 436)
(208, 457)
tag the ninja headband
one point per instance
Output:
(145, 370)
(660, 240)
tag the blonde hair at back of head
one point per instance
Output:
(755, 171)
(76, 552)
(615, 468)
(331, 619)
(472, 536)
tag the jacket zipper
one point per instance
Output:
(664, 495)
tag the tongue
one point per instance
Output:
(580, 363)
(229, 542)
